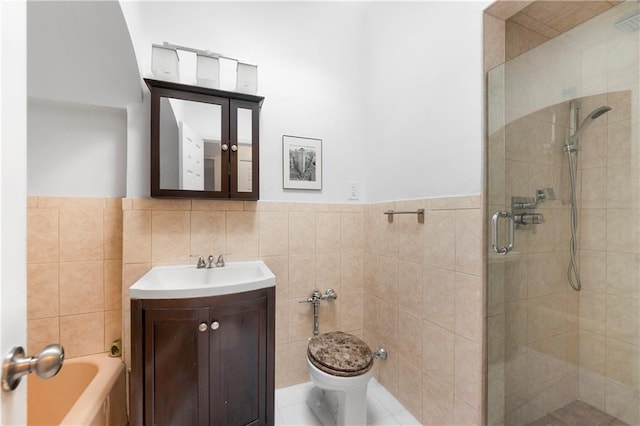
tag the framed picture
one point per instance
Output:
(301, 163)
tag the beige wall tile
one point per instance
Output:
(592, 352)
(494, 41)
(42, 332)
(137, 236)
(32, 202)
(81, 287)
(42, 235)
(282, 366)
(622, 402)
(282, 322)
(302, 232)
(464, 414)
(302, 276)
(352, 231)
(298, 370)
(352, 271)
(440, 239)
(329, 316)
(42, 290)
(622, 187)
(351, 311)
(469, 242)
(388, 268)
(81, 234)
(82, 334)
(328, 232)
(387, 323)
(217, 205)
(455, 203)
(438, 354)
(410, 287)
(112, 327)
(593, 311)
(161, 204)
(593, 225)
(242, 235)
(623, 230)
(170, 237)
(468, 306)
(279, 265)
(112, 284)
(274, 233)
(468, 371)
(622, 362)
(439, 297)
(437, 403)
(208, 233)
(593, 270)
(300, 320)
(388, 374)
(623, 274)
(409, 337)
(410, 389)
(113, 234)
(623, 317)
(328, 271)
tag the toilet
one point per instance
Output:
(340, 368)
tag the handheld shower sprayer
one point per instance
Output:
(572, 141)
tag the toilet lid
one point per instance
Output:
(340, 354)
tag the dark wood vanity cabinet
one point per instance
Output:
(203, 361)
(204, 142)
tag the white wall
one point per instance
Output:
(310, 72)
(424, 104)
(76, 150)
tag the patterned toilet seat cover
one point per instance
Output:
(340, 354)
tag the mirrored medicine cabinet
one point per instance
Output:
(204, 142)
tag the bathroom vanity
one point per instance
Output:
(204, 142)
(205, 360)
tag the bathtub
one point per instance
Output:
(89, 390)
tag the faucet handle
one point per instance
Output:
(200, 263)
(220, 261)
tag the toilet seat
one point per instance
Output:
(340, 354)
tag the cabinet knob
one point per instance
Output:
(215, 325)
(202, 326)
(225, 147)
(234, 148)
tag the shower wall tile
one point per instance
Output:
(74, 281)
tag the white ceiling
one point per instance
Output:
(81, 52)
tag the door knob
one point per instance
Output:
(202, 326)
(46, 365)
(234, 148)
(225, 147)
(215, 325)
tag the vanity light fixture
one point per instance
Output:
(246, 78)
(165, 66)
(164, 62)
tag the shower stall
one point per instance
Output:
(563, 210)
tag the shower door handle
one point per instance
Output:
(494, 234)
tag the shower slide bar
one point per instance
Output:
(419, 212)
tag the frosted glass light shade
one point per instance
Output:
(208, 71)
(247, 78)
(164, 63)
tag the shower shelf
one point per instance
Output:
(419, 212)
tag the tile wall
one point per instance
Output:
(74, 273)
(398, 284)
(424, 303)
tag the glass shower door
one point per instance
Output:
(554, 352)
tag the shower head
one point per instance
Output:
(593, 116)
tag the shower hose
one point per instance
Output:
(573, 274)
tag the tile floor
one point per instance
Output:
(578, 413)
(382, 408)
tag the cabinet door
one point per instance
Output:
(239, 353)
(245, 148)
(176, 366)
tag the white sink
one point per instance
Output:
(186, 281)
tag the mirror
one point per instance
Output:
(190, 145)
(245, 149)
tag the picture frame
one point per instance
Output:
(301, 163)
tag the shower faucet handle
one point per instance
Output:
(545, 194)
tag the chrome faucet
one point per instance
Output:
(200, 264)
